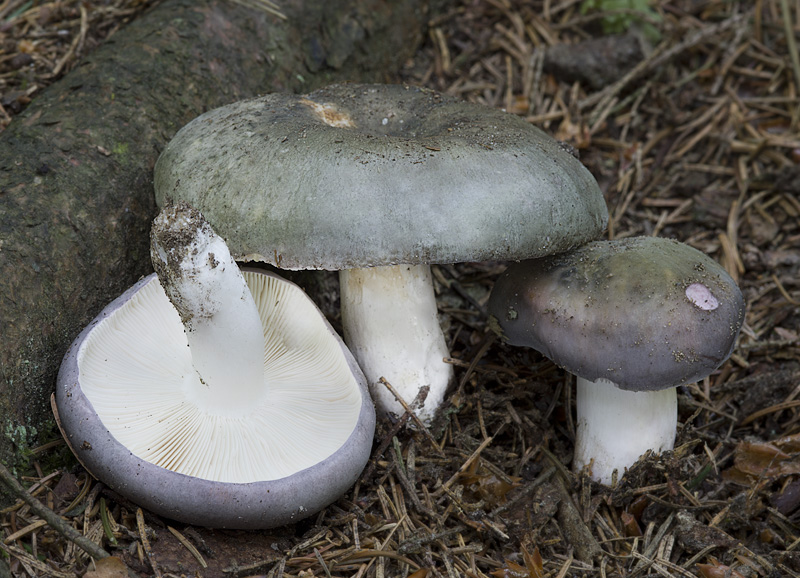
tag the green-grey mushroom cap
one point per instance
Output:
(353, 176)
(645, 313)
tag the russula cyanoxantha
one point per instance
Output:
(239, 407)
(632, 319)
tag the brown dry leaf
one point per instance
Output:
(511, 570)
(534, 567)
(111, 567)
(764, 460)
(576, 134)
(789, 444)
(519, 105)
(26, 46)
(533, 562)
(486, 486)
(421, 573)
(717, 570)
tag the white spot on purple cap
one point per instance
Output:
(701, 296)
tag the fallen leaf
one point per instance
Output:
(534, 567)
(764, 460)
(718, 571)
(511, 570)
(533, 562)
(486, 486)
(111, 567)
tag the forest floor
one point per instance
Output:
(688, 115)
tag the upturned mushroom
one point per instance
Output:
(632, 319)
(213, 396)
(379, 182)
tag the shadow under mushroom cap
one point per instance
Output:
(353, 176)
(645, 313)
(211, 494)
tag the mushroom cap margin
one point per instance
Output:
(255, 505)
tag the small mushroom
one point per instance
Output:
(213, 396)
(379, 182)
(632, 319)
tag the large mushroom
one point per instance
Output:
(632, 319)
(215, 397)
(380, 181)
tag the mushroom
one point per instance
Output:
(632, 319)
(215, 397)
(379, 182)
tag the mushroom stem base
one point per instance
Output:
(392, 327)
(615, 427)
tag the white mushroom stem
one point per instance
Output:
(392, 328)
(222, 324)
(615, 427)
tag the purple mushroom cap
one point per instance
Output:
(282, 499)
(645, 313)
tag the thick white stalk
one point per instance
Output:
(392, 327)
(615, 427)
(224, 330)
